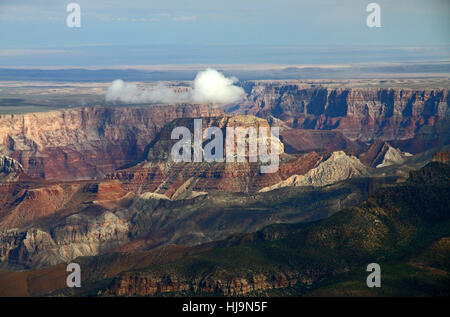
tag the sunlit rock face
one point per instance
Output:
(85, 143)
(359, 113)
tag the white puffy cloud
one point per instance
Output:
(210, 86)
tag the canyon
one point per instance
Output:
(87, 143)
(404, 226)
(84, 143)
(99, 181)
(364, 114)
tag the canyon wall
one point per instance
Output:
(359, 113)
(144, 284)
(160, 174)
(84, 143)
(87, 143)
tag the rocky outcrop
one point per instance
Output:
(26, 204)
(78, 235)
(160, 174)
(337, 167)
(359, 113)
(91, 218)
(85, 143)
(9, 165)
(393, 156)
(48, 223)
(10, 169)
(148, 284)
(30, 205)
(442, 157)
(381, 154)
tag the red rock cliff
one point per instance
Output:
(84, 143)
(360, 113)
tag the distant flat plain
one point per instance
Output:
(44, 89)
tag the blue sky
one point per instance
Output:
(34, 31)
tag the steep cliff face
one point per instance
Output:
(442, 156)
(337, 167)
(85, 143)
(9, 165)
(142, 284)
(30, 205)
(24, 204)
(157, 201)
(381, 154)
(78, 235)
(42, 225)
(10, 169)
(359, 113)
(49, 223)
(160, 174)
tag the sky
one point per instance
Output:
(112, 32)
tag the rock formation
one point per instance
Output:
(442, 156)
(381, 154)
(365, 114)
(144, 284)
(10, 169)
(337, 167)
(161, 175)
(85, 143)
(102, 179)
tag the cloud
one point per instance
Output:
(210, 86)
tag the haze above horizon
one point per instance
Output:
(34, 33)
